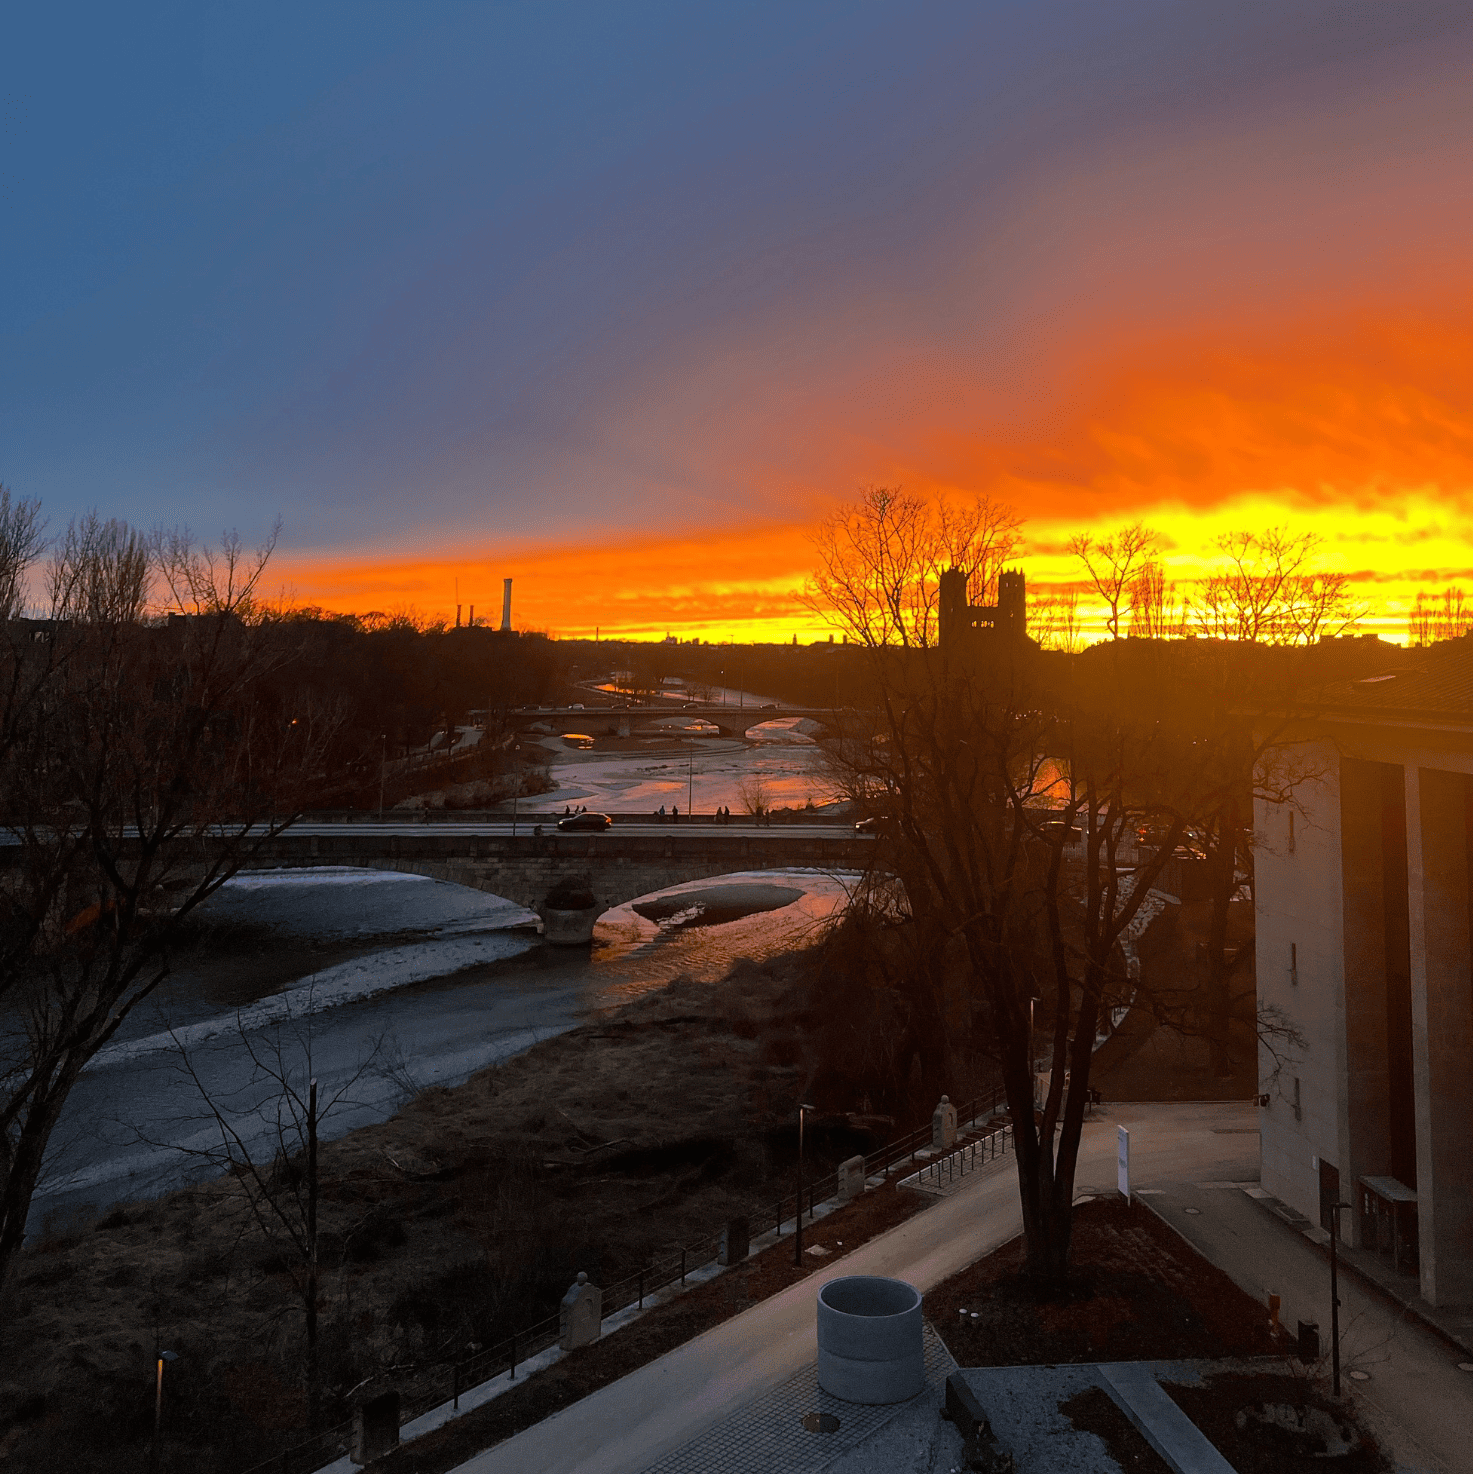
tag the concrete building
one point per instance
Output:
(1363, 853)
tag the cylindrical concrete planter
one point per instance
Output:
(570, 928)
(870, 1348)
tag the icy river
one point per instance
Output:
(424, 983)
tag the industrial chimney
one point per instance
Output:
(506, 606)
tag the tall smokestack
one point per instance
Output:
(506, 606)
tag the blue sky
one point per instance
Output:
(420, 275)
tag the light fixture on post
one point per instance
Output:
(1335, 1294)
(798, 1224)
(158, 1403)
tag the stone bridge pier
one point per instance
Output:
(528, 869)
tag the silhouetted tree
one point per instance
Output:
(982, 757)
(1114, 563)
(140, 763)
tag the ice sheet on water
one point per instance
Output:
(339, 902)
(256, 880)
(348, 982)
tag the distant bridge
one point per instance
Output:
(729, 719)
(616, 866)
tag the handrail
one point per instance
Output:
(459, 1377)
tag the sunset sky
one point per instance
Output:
(618, 299)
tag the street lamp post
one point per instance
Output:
(383, 768)
(798, 1224)
(690, 781)
(158, 1403)
(1335, 1295)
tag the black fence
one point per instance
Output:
(453, 1379)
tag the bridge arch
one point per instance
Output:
(526, 869)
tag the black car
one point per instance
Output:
(1056, 830)
(586, 821)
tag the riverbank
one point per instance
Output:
(459, 1220)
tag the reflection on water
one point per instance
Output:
(633, 956)
(705, 776)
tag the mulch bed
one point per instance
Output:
(1097, 1412)
(658, 1331)
(1214, 1407)
(1139, 1292)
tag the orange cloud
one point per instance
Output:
(1361, 431)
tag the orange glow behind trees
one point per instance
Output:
(1358, 434)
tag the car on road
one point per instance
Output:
(586, 821)
(1056, 831)
(868, 826)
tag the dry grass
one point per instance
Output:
(460, 1220)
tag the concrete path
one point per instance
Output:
(633, 1423)
(1404, 1379)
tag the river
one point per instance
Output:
(379, 985)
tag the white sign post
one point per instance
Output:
(1122, 1163)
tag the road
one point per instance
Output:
(627, 1426)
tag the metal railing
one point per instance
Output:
(452, 1380)
(955, 1164)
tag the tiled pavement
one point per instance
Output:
(767, 1436)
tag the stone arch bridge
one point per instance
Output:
(525, 868)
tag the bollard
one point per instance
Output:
(641, 1289)
(682, 1266)
(455, 1385)
(512, 1375)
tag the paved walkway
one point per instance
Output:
(634, 1423)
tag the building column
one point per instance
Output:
(1365, 1137)
(1442, 1030)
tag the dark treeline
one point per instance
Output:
(392, 685)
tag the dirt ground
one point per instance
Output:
(459, 1221)
(1139, 1293)
(1219, 1408)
